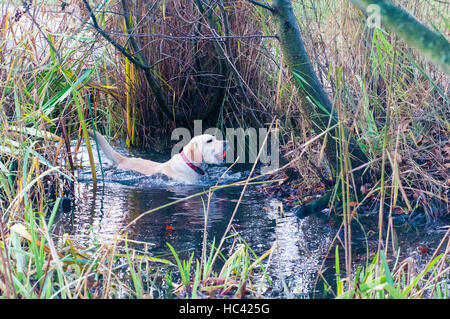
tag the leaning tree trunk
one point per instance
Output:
(429, 43)
(318, 106)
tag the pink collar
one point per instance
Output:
(196, 169)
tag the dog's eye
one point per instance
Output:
(209, 141)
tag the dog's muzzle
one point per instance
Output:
(223, 154)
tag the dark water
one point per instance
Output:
(301, 244)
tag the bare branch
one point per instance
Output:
(195, 37)
(262, 5)
(104, 34)
(140, 62)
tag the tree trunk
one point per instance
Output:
(318, 106)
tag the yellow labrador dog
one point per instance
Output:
(186, 167)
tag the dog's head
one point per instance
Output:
(205, 148)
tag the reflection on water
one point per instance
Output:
(297, 256)
(124, 196)
(301, 244)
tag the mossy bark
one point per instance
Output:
(429, 43)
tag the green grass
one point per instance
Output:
(380, 281)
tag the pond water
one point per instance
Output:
(301, 244)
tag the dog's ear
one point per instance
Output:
(194, 152)
(190, 152)
(197, 152)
